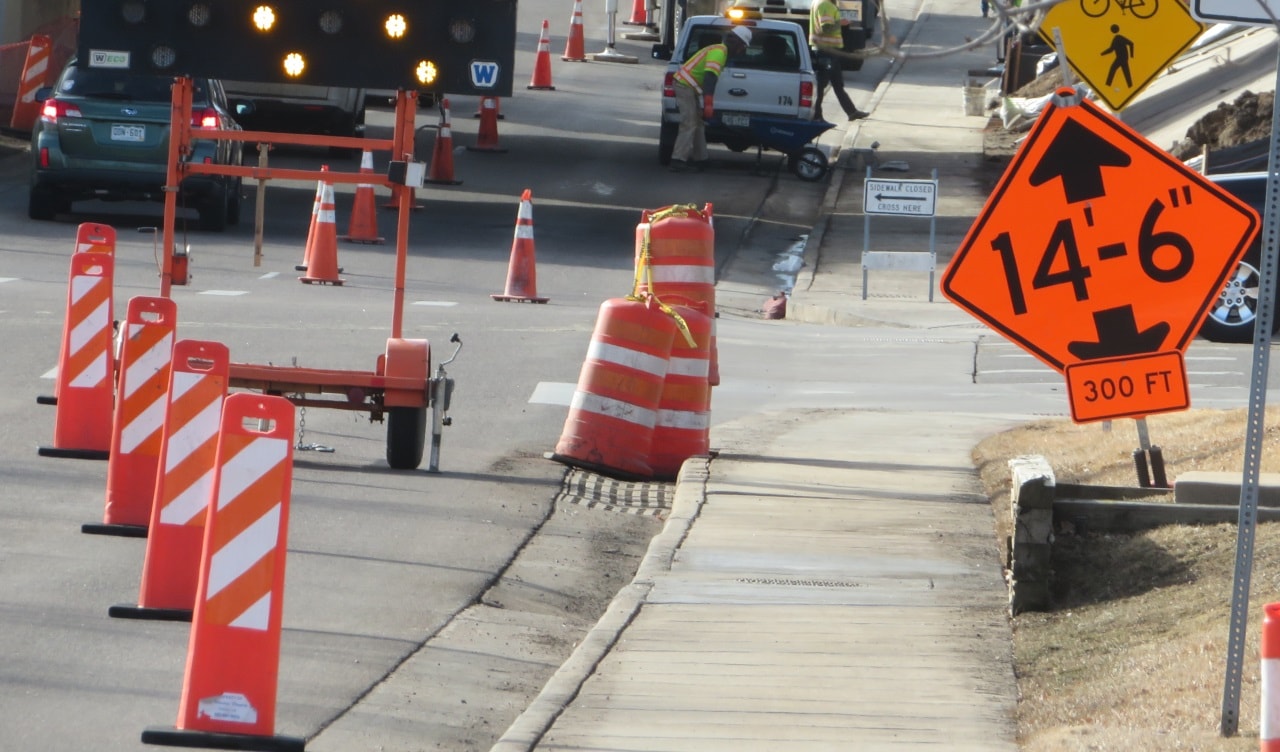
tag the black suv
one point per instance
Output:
(1231, 317)
(104, 133)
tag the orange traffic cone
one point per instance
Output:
(233, 654)
(487, 138)
(35, 73)
(363, 227)
(575, 47)
(322, 248)
(542, 63)
(184, 485)
(497, 108)
(146, 357)
(639, 14)
(522, 272)
(311, 230)
(442, 152)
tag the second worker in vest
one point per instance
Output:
(825, 37)
(695, 92)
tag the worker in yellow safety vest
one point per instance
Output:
(825, 36)
(695, 91)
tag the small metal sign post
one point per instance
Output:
(903, 198)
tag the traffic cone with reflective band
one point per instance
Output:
(441, 171)
(542, 62)
(611, 418)
(497, 108)
(363, 226)
(85, 388)
(146, 357)
(322, 248)
(1269, 735)
(639, 14)
(184, 484)
(575, 47)
(487, 137)
(311, 230)
(35, 74)
(522, 268)
(233, 655)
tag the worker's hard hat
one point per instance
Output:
(744, 34)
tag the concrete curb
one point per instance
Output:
(527, 730)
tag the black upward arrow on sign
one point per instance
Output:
(1077, 155)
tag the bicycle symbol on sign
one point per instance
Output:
(1139, 8)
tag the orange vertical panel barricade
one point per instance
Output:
(91, 237)
(609, 428)
(146, 356)
(683, 426)
(233, 655)
(85, 388)
(680, 245)
(184, 482)
(94, 237)
(1269, 735)
(35, 73)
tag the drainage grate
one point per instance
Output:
(598, 492)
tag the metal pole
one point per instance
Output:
(866, 239)
(1248, 519)
(933, 234)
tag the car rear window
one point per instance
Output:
(98, 83)
(769, 50)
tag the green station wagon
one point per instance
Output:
(104, 134)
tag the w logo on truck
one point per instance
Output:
(484, 74)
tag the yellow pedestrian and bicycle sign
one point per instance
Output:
(1118, 47)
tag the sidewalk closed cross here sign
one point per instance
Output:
(1097, 244)
(912, 198)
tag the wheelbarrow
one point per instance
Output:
(792, 137)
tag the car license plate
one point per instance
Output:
(132, 133)
(736, 119)
(852, 15)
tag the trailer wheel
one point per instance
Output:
(406, 436)
(808, 164)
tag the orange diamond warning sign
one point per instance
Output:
(1096, 243)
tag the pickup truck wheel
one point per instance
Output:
(1233, 314)
(406, 436)
(666, 142)
(808, 164)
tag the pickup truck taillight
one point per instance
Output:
(806, 95)
(669, 85)
(206, 117)
(54, 109)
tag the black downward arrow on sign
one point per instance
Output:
(1077, 155)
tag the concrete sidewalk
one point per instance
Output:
(802, 595)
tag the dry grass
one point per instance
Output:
(1133, 656)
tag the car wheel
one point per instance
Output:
(406, 436)
(1232, 315)
(44, 204)
(808, 164)
(213, 212)
(233, 203)
(667, 142)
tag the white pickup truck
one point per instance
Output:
(774, 78)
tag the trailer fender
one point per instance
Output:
(406, 360)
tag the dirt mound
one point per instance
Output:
(1246, 120)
